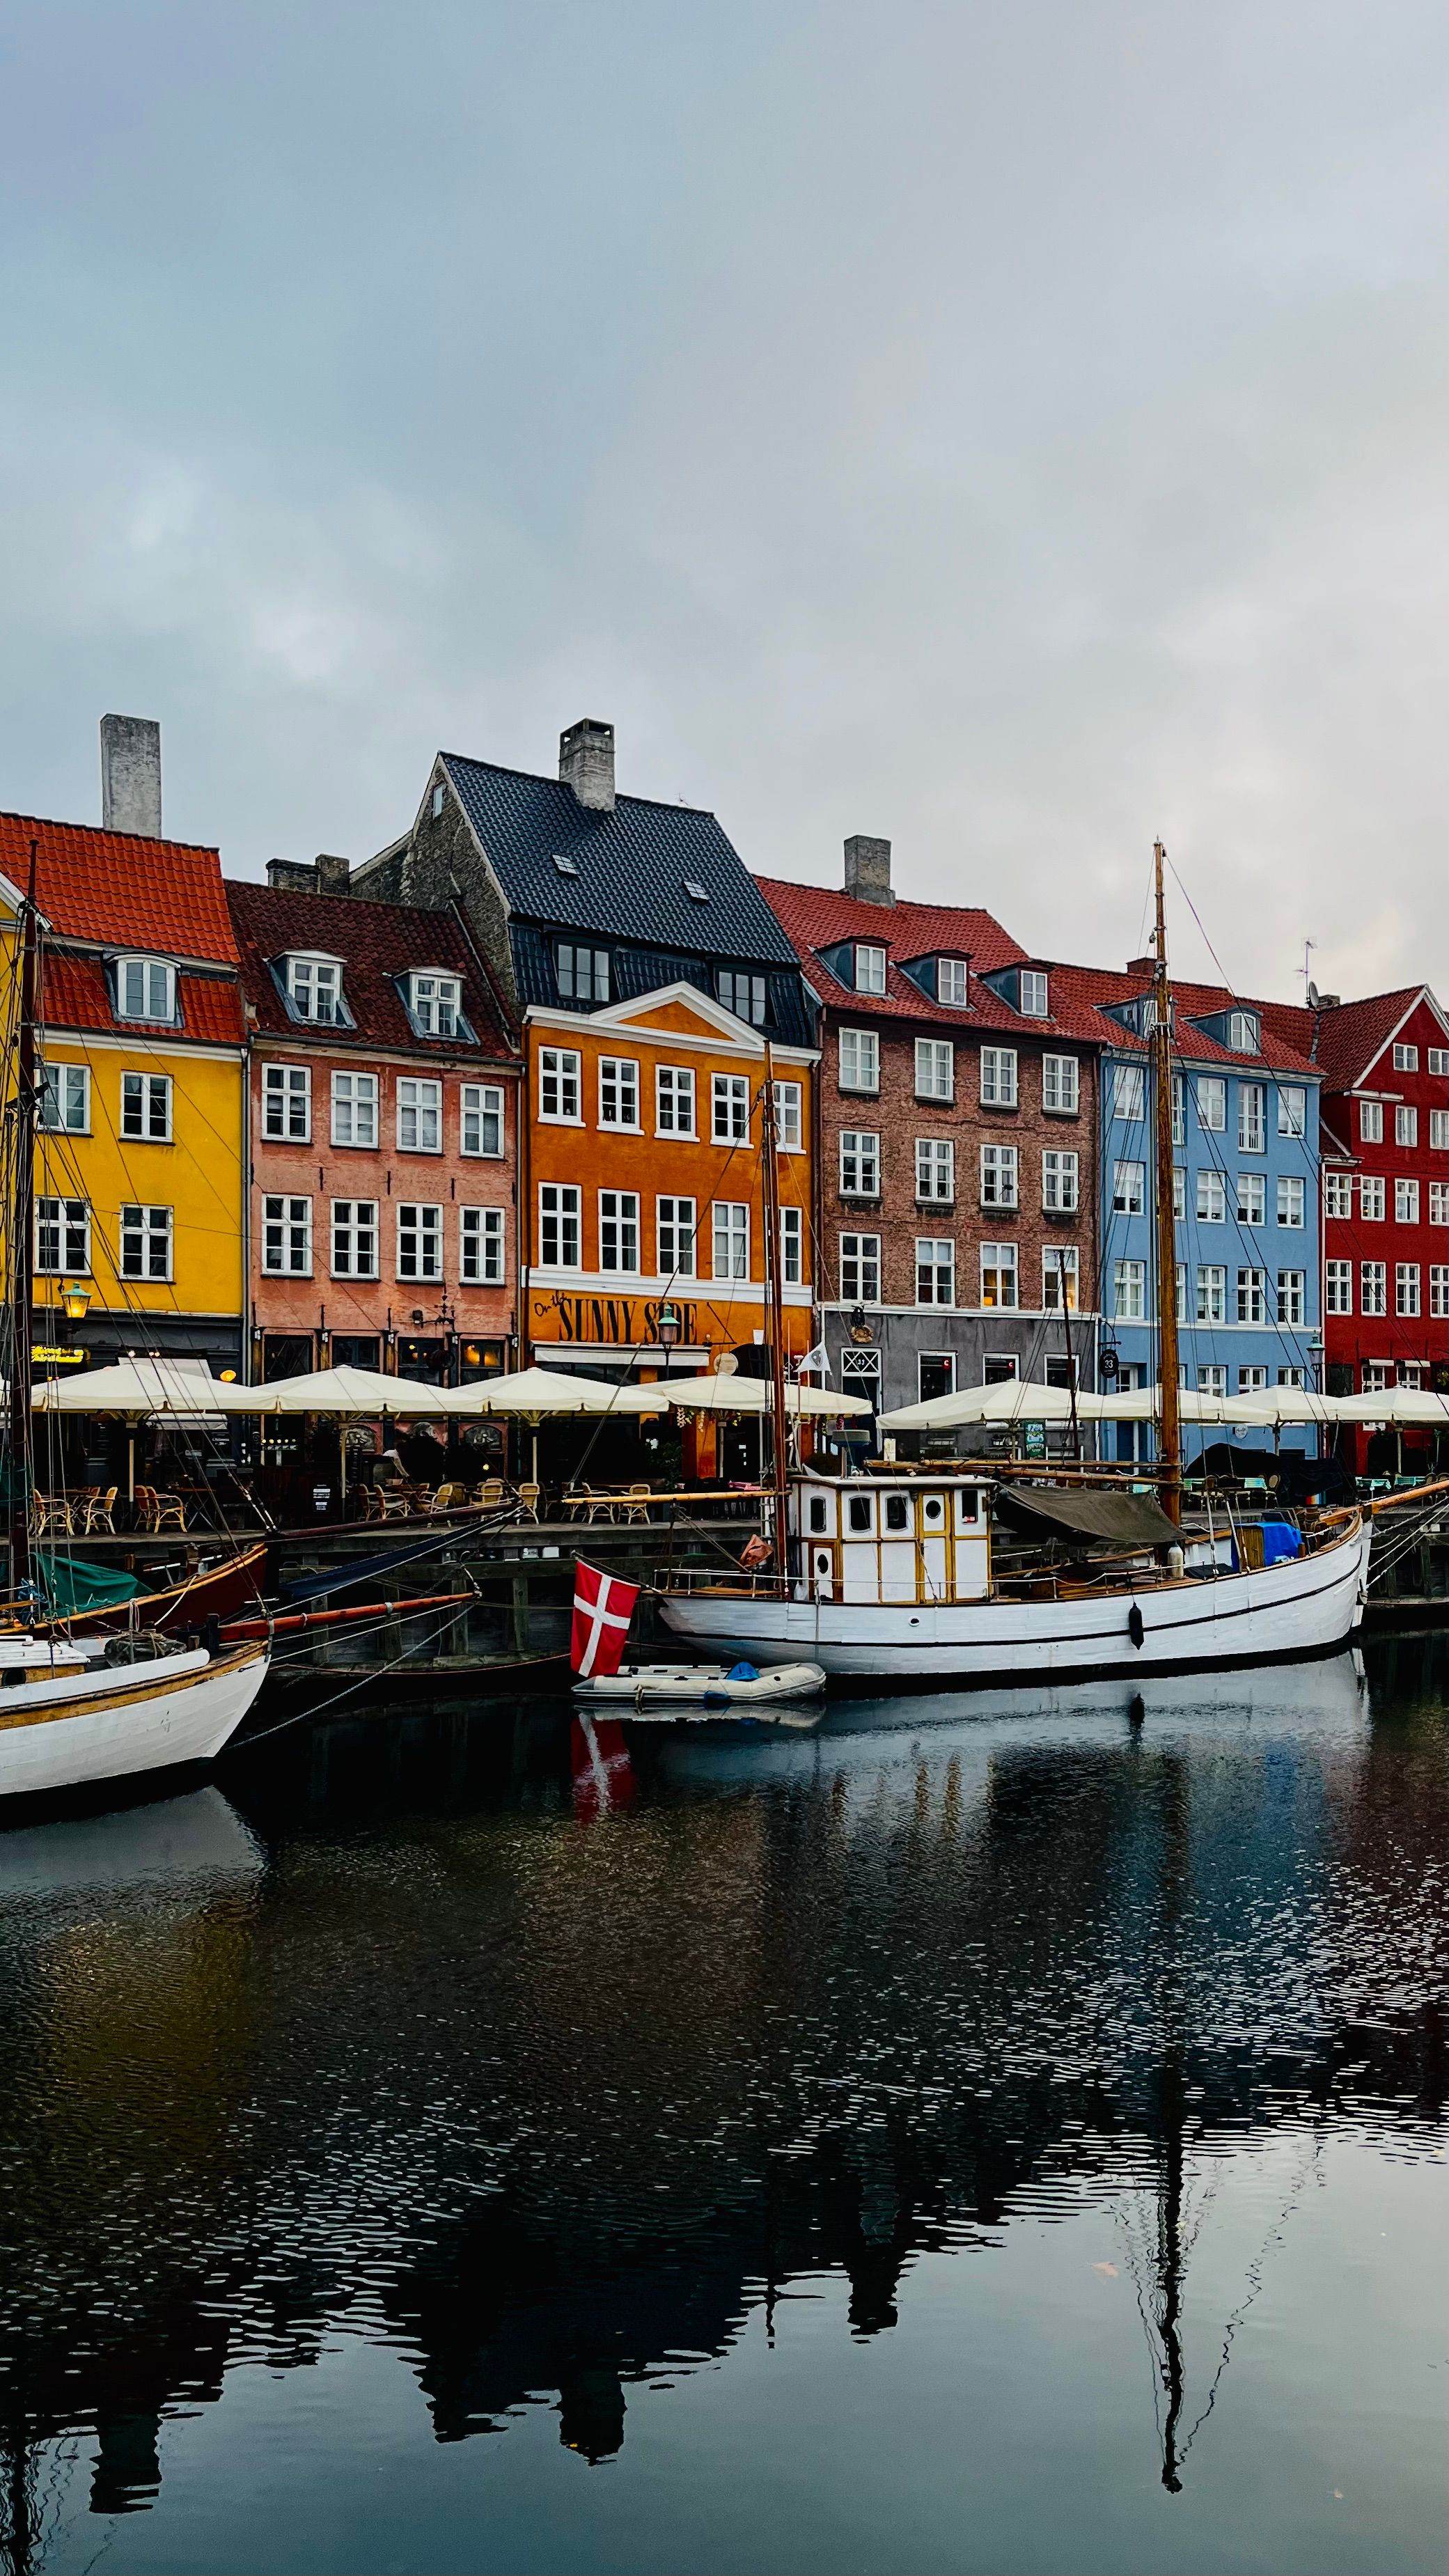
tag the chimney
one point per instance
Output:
(292, 876)
(1144, 966)
(334, 876)
(586, 763)
(868, 869)
(131, 775)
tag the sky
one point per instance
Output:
(1018, 432)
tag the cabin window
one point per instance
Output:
(897, 1512)
(858, 1515)
(968, 1510)
(933, 1511)
(819, 1511)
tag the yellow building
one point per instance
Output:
(140, 1143)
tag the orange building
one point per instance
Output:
(643, 1182)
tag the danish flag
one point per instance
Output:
(603, 1608)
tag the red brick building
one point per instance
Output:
(381, 1209)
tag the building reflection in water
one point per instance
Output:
(549, 2061)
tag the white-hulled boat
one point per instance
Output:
(72, 1716)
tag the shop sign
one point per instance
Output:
(47, 1357)
(629, 1320)
(1035, 1442)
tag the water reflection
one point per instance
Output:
(548, 2054)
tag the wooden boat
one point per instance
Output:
(71, 1716)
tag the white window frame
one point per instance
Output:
(952, 978)
(998, 1085)
(1000, 1176)
(1051, 1281)
(1406, 1200)
(66, 1088)
(619, 1094)
(1406, 1125)
(560, 1214)
(1060, 1181)
(286, 1104)
(1252, 1198)
(935, 1171)
(999, 1264)
(1033, 992)
(69, 1220)
(419, 1101)
(150, 1226)
(790, 1117)
(354, 1093)
(936, 1070)
(1372, 1198)
(859, 1153)
(792, 1247)
(1370, 1122)
(423, 1220)
(1129, 1189)
(482, 1246)
(1251, 1305)
(1129, 1094)
(1439, 1202)
(286, 1235)
(480, 1104)
(1338, 1288)
(1292, 1297)
(730, 1238)
(312, 977)
(1338, 1196)
(674, 1100)
(353, 1239)
(1252, 1119)
(1061, 1085)
(151, 1090)
(860, 1270)
(435, 1002)
(1211, 1293)
(1406, 1057)
(1407, 1286)
(560, 1079)
(1439, 1131)
(1292, 1200)
(619, 1231)
(935, 1270)
(870, 967)
(1129, 1292)
(675, 1229)
(859, 1060)
(1212, 1196)
(1439, 1288)
(1292, 1109)
(1212, 1103)
(156, 1000)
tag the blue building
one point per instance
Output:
(1246, 1202)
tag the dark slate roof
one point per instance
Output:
(643, 970)
(631, 866)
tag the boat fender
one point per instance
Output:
(1135, 1628)
(742, 1673)
(755, 1552)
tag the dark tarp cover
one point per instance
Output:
(1120, 1520)
(71, 1586)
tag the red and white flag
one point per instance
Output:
(603, 1608)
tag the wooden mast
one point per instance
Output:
(774, 1255)
(22, 1250)
(1170, 1442)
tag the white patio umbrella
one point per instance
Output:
(718, 1392)
(1404, 1408)
(1010, 1400)
(1144, 1404)
(1274, 1408)
(143, 1386)
(356, 1391)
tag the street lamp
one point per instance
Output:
(669, 1328)
(76, 1300)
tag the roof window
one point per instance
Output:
(566, 866)
(695, 891)
(1243, 1032)
(437, 799)
(145, 989)
(951, 973)
(1033, 1004)
(435, 1003)
(870, 970)
(314, 989)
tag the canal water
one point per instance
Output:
(990, 2133)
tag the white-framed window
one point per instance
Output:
(354, 1238)
(859, 1060)
(438, 799)
(731, 1238)
(1252, 1198)
(583, 973)
(1439, 1131)
(63, 1099)
(1059, 1182)
(792, 1247)
(1371, 1198)
(674, 1238)
(1406, 1288)
(1212, 1293)
(951, 981)
(1338, 1287)
(1212, 1379)
(435, 1003)
(63, 1237)
(1060, 1085)
(1406, 1202)
(1373, 1292)
(1055, 1259)
(1439, 1202)
(1243, 1032)
(674, 1100)
(1251, 1134)
(935, 1270)
(146, 1107)
(419, 1240)
(1129, 1189)
(1292, 1109)
(1378, 1375)
(146, 1239)
(354, 1110)
(1291, 1377)
(1338, 1194)
(480, 1129)
(1129, 1291)
(998, 1077)
(1179, 1110)
(1253, 1378)
(1371, 1122)
(1179, 1191)
(1212, 1196)
(935, 1069)
(998, 1274)
(1129, 1092)
(619, 1230)
(560, 1226)
(730, 1094)
(790, 1117)
(1292, 1200)
(860, 1270)
(1212, 1103)
(1439, 1287)
(560, 1086)
(1439, 1060)
(1406, 1059)
(870, 969)
(314, 989)
(741, 993)
(1252, 1296)
(1406, 1125)
(859, 1163)
(419, 1122)
(145, 989)
(1290, 1296)
(1182, 1313)
(287, 1103)
(480, 1247)
(619, 1092)
(286, 1238)
(935, 1168)
(998, 1176)
(1033, 1004)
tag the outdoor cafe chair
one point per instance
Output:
(633, 1503)
(490, 1493)
(450, 1498)
(526, 1497)
(50, 1512)
(99, 1510)
(170, 1512)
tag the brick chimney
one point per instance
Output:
(868, 869)
(586, 762)
(131, 775)
(322, 875)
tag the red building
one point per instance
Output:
(381, 1212)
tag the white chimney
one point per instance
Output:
(131, 775)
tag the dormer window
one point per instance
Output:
(1243, 1032)
(695, 891)
(145, 989)
(951, 981)
(314, 989)
(435, 1003)
(870, 970)
(1033, 1003)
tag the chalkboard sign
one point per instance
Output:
(1035, 1442)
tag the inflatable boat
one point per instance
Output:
(710, 1686)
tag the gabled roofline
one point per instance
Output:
(622, 1014)
(1424, 994)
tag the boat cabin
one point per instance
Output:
(906, 1539)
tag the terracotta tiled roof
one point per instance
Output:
(1092, 989)
(377, 943)
(74, 995)
(120, 889)
(1349, 1037)
(817, 917)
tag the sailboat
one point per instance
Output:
(76, 1710)
(928, 1576)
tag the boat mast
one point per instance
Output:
(1170, 1459)
(1071, 1371)
(21, 1289)
(774, 1254)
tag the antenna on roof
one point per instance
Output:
(1305, 970)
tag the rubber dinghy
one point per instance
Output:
(712, 1686)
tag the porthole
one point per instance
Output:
(934, 1509)
(822, 1560)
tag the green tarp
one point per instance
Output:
(71, 1586)
(1116, 1520)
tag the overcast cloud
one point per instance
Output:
(1015, 430)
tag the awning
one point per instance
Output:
(1118, 1520)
